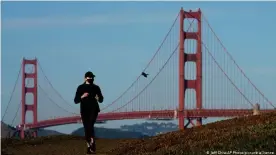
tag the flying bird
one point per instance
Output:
(145, 74)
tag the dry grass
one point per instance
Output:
(242, 134)
(55, 145)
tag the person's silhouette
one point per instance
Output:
(88, 95)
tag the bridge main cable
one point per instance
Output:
(54, 101)
(231, 57)
(40, 67)
(174, 51)
(12, 94)
(156, 52)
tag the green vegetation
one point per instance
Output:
(248, 134)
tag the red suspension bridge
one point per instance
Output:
(191, 76)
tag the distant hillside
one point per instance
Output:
(151, 128)
(132, 131)
(46, 132)
(7, 131)
(110, 133)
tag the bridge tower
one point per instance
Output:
(25, 90)
(184, 57)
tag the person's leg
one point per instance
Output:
(86, 119)
(86, 125)
(94, 119)
(94, 116)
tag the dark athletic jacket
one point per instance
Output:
(88, 103)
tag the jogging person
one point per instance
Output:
(88, 95)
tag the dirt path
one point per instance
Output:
(56, 146)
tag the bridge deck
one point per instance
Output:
(164, 114)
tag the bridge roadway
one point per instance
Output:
(164, 114)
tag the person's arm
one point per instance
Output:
(99, 95)
(77, 98)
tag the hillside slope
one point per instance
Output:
(239, 134)
(254, 133)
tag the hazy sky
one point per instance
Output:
(116, 39)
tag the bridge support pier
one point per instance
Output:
(22, 133)
(256, 109)
(198, 121)
(26, 134)
(28, 90)
(191, 121)
(189, 56)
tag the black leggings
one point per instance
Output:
(88, 120)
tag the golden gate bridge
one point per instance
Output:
(191, 76)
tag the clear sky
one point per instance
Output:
(116, 39)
